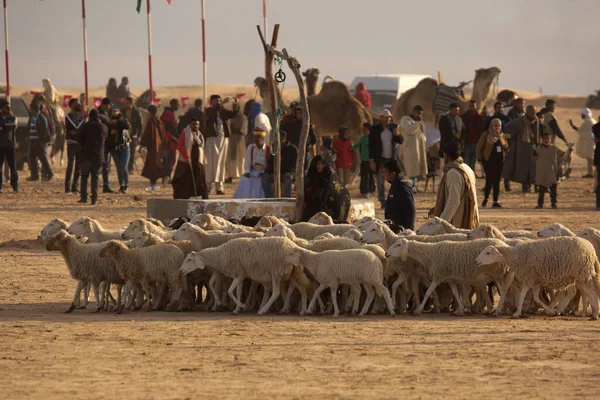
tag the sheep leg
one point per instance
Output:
(401, 279)
(274, 295)
(211, 285)
(485, 294)
(383, 292)
(368, 300)
(78, 288)
(96, 289)
(566, 299)
(536, 298)
(303, 296)
(86, 297)
(239, 306)
(502, 289)
(251, 294)
(521, 299)
(460, 308)
(429, 292)
(315, 297)
(355, 293)
(593, 296)
(139, 297)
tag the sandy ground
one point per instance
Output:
(46, 353)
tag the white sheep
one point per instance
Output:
(436, 226)
(203, 240)
(148, 266)
(327, 243)
(141, 225)
(86, 266)
(91, 228)
(591, 235)
(321, 218)
(557, 263)
(53, 227)
(351, 267)
(488, 231)
(308, 231)
(262, 260)
(353, 234)
(454, 262)
(325, 235)
(364, 222)
(555, 230)
(210, 222)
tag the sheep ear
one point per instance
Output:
(90, 226)
(596, 235)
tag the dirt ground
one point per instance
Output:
(46, 353)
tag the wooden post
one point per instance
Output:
(271, 88)
(440, 77)
(295, 68)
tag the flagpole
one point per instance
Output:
(265, 30)
(6, 52)
(150, 51)
(204, 52)
(85, 55)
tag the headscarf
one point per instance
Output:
(254, 111)
(313, 175)
(493, 137)
(587, 113)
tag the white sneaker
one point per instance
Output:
(150, 188)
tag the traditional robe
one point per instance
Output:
(457, 196)
(255, 164)
(519, 165)
(413, 151)
(547, 165)
(584, 147)
(237, 146)
(153, 140)
(189, 179)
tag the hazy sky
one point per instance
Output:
(547, 43)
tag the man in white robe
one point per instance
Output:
(413, 151)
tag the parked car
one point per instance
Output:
(385, 89)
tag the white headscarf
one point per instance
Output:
(587, 112)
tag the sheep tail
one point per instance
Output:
(300, 276)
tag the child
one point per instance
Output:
(255, 164)
(367, 183)
(328, 155)
(342, 147)
(547, 156)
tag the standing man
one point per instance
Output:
(523, 134)
(119, 138)
(153, 141)
(382, 138)
(452, 129)
(457, 195)
(8, 144)
(518, 110)
(596, 132)
(73, 120)
(474, 127)
(172, 137)
(123, 89)
(105, 114)
(293, 127)
(195, 112)
(237, 146)
(217, 141)
(400, 204)
(550, 122)
(498, 113)
(132, 115)
(413, 152)
(39, 137)
(92, 137)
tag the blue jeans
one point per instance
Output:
(121, 157)
(470, 155)
(9, 154)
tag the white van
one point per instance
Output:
(385, 89)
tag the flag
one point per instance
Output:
(139, 6)
(66, 99)
(97, 102)
(184, 101)
(156, 102)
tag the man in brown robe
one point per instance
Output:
(153, 140)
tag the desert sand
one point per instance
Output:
(46, 353)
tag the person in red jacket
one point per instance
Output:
(342, 146)
(362, 95)
(171, 137)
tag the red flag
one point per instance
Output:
(66, 99)
(169, 1)
(97, 102)
(184, 101)
(156, 102)
(240, 95)
(33, 92)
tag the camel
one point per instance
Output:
(424, 93)
(311, 77)
(261, 84)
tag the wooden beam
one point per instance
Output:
(294, 66)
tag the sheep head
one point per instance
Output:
(156, 222)
(432, 227)
(192, 262)
(111, 250)
(554, 230)
(134, 228)
(277, 231)
(353, 234)
(139, 241)
(490, 255)
(293, 257)
(364, 222)
(398, 250)
(53, 227)
(186, 231)
(83, 226)
(374, 234)
(483, 231)
(321, 218)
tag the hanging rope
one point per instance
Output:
(279, 78)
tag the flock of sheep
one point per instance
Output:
(213, 264)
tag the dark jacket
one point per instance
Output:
(118, 138)
(289, 155)
(375, 144)
(73, 123)
(293, 128)
(135, 123)
(187, 118)
(400, 204)
(212, 116)
(447, 134)
(596, 132)
(39, 128)
(474, 125)
(8, 128)
(504, 118)
(92, 137)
